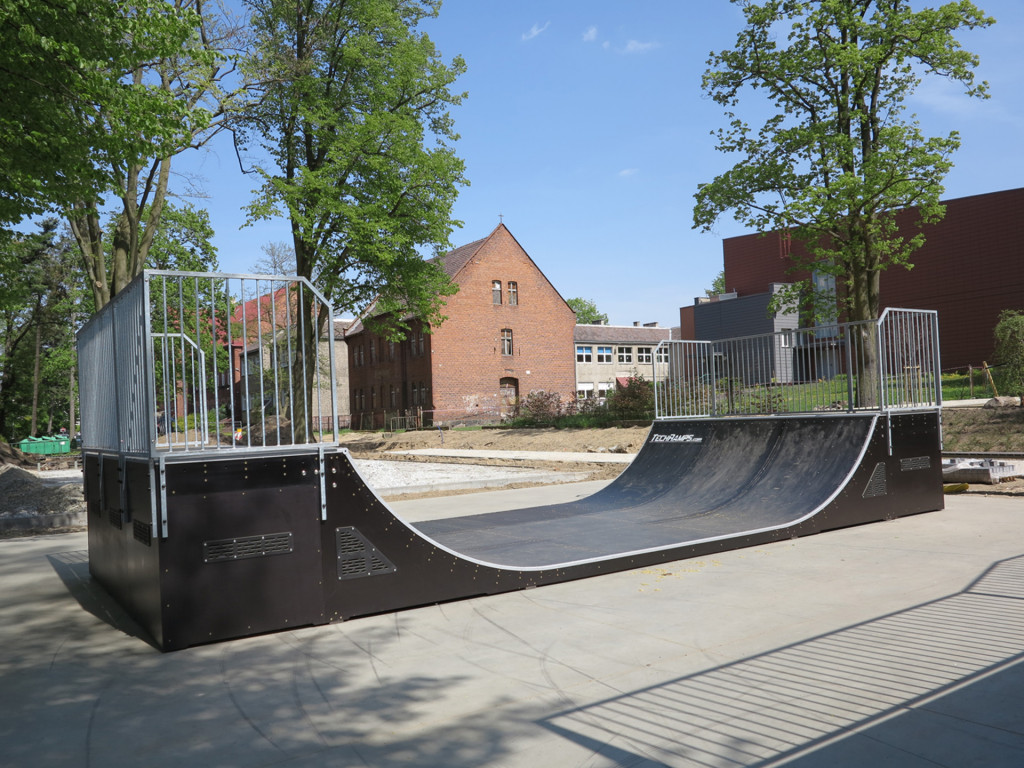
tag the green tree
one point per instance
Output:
(1009, 336)
(67, 102)
(838, 156)
(191, 78)
(98, 97)
(183, 240)
(44, 301)
(587, 312)
(717, 286)
(351, 108)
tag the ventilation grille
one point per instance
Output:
(876, 485)
(143, 532)
(357, 557)
(246, 547)
(114, 518)
(917, 462)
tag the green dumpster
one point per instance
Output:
(30, 445)
(45, 446)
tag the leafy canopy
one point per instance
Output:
(837, 155)
(352, 111)
(587, 312)
(70, 103)
(1009, 338)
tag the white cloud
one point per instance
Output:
(635, 46)
(590, 35)
(626, 172)
(535, 30)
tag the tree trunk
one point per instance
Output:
(71, 402)
(35, 382)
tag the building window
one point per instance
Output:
(625, 354)
(391, 350)
(513, 293)
(506, 341)
(422, 347)
(584, 354)
(604, 387)
(584, 390)
(643, 355)
(661, 354)
(496, 291)
(604, 354)
(394, 397)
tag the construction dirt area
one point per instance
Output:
(49, 485)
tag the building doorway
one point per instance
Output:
(508, 389)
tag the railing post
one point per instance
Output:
(849, 372)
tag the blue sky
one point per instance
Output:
(586, 129)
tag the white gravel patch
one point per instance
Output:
(390, 478)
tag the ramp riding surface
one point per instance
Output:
(696, 487)
(691, 482)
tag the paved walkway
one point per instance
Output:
(894, 644)
(514, 456)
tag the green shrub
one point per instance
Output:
(633, 401)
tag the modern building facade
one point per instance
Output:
(969, 270)
(508, 333)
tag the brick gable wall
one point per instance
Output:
(462, 365)
(467, 359)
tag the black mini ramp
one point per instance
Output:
(254, 546)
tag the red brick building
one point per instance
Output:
(508, 332)
(970, 268)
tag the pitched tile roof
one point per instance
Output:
(456, 259)
(622, 334)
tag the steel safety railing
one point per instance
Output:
(885, 365)
(187, 362)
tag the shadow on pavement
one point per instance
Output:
(936, 684)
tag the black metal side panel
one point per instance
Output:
(243, 549)
(124, 564)
(901, 474)
(695, 488)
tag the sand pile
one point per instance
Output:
(23, 495)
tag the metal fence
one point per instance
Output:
(884, 365)
(187, 362)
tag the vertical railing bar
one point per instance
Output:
(303, 318)
(274, 344)
(936, 361)
(181, 329)
(259, 343)
(244, 364)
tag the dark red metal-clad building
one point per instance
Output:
(970, 268)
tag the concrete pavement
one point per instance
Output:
(514, 456)
(893, 644)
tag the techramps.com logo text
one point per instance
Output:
(673, 438)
